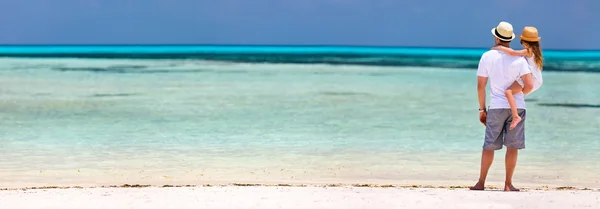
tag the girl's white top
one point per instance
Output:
(536, 73)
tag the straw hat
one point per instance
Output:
(530, 34)
(504, 31)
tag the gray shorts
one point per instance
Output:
(497, 133)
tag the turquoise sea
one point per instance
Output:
(104, 115)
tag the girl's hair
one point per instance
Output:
(534, 47)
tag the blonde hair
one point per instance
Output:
(534, 47)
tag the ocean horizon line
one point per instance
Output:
(566, 61)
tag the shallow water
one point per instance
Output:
(105, 121)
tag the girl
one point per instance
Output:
(533, 54)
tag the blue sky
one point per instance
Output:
(563, 24)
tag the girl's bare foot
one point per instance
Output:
(515, 121)
(510, 188)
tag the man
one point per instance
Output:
(501, 70)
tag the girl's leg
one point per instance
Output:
(513, 89)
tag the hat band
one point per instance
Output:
(501, 36)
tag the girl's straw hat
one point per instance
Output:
(530, 34)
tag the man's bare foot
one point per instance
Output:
(515, 121)
(510, 188)
(478, 186)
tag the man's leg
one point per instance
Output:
(487, 157)
(514, 140)
(494, 134)
(510, 163)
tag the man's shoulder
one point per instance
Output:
(490, 53)
(506, 57)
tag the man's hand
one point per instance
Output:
(483, 117)
(527, 83)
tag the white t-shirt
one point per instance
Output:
(502, 70)
(536, 74)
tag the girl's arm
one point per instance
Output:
(512, 52)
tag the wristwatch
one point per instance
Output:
(482, 110)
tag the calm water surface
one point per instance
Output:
(69, 121)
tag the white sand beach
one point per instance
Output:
(313, 197)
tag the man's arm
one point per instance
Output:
(481, 84)
(482, 79)
(527, 83)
